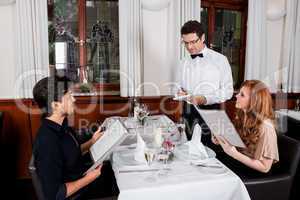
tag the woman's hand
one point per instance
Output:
(226, 146)
(87, 145)
(214, 139)
(97, 135)
(95, 173)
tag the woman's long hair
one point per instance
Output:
(248, 122)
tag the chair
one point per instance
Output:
(1, 121)
(35, 180)
(277, 184)
(38, 187)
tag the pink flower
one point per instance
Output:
(168, 145)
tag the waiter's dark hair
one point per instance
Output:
(192, 26)
(48, 90)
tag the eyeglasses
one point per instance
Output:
(193, 42)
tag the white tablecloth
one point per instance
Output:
(291, 113)
(183, 181)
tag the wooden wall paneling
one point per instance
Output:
(17, 136)
(35, 119)
(163, 105)
(97, 108)
(90, 114)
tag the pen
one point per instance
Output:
(182, 89)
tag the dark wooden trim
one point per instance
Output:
(107, 86)
(82, 37)
(50, 9)
(242, 59)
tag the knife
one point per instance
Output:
(141, 170)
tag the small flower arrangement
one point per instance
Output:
(169, 147)
(140, 113)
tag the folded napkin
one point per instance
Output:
(196, 148)
(139, 154)
(158, 138)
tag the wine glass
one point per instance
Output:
(181, 131)
(164, 156)
(150, 155)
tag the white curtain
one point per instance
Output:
(6, 2)
(150, 43)
(291, 47)
(130, 46)
(256, 50)
(31, 45)
(189, 10)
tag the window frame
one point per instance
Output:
(236, 5)
(82, 47)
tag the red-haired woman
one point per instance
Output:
(255, 123)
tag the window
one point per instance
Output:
(84, 40)
(224, 24)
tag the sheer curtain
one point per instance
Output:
(130, 46)
(291, 47)
(150, 43)
(6, 2)
(256, 50)
(31, 45)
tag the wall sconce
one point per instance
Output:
(276, 10)
(90, 3)
(61, 55)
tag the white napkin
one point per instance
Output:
(139, 154)
(158, 138)
(196, 148)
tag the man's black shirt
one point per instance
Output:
(57, 158)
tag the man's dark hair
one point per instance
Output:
(48, 90)
(192, 26)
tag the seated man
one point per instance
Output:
(58, 155)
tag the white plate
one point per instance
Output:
(181, 98)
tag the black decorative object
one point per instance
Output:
(101, 38)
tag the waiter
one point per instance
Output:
(205, 75)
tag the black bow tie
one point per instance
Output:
(196, 55)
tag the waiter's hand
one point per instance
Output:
(182, 92)
(198, 100)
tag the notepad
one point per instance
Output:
(220, 124)
(103, 147)
(181, 98)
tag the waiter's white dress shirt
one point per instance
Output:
(209, 76)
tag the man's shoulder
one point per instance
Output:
(215, 54)
(46, 135)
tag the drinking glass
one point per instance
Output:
(181, 130)
(164, 157)
(150, 155)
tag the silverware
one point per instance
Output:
(142, 170)
(207, 165)
(137, 170)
